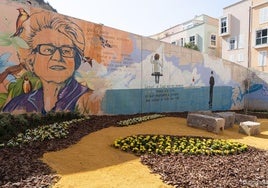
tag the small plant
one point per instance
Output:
(41, 133)
(138, 120)
(165, 144)
(12, 125)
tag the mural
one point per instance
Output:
(157, 67)
(51, 62)
(211, 85)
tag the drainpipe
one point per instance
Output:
(249, 35)
(246, 102)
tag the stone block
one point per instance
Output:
(206, 122)
(229, 118)
(244, 117)
(249, 128)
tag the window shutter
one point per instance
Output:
(263, 15)
(196, 39)
(235, 45)
(241, 41)
(228, 43)
(262, 58)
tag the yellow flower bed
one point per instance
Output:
(166, 144)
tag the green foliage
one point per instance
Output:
(191, 46)
(16, 42)
(5, 39)
(12, 125)
(41, 133)
(3, 98)
(15, 88)
(35, 119)
(4, 122)
(52, 117)
(138, 120)
(165, 144)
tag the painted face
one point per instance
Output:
(54, 56)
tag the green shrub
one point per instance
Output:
(41, 133)
(12, 125)
(35, 119)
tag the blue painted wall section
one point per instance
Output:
(165, 100)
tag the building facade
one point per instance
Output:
(259, 35)
(240, 36)
(201, 31)
(234, 30)
(244, 34)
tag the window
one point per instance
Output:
(224, 25)
(192, 39)
(263, 15)
(262, 58)
(213, 40)
(261, 37)
(232, 43)
(181, 42)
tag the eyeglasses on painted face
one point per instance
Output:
(49, 49)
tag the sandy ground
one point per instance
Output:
(93, 163)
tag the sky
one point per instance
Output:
(142, 17)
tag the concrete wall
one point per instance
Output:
(50, 62)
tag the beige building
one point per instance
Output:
(259, 35)
(240, 35)
(202, 31)
(244, 33)
(234, 30)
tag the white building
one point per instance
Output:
(201, 30)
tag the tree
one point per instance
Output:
(191, 46)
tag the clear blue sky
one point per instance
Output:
(142, 17)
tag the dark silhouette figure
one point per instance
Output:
(211, 85)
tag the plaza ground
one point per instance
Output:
(92, 162)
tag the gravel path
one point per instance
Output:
(245, 170)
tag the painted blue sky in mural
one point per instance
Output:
(4, 63)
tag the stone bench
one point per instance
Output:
(249, 128)
(229, 117)
(243, 117)
(206, 122)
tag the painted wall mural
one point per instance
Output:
(51, 62)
